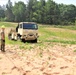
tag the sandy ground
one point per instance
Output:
(52, 60)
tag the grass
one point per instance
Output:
(74, 50)
(58, 35)
(21, 44)
(12, 41)
(72, 27)
(8, 24)
(26, 46)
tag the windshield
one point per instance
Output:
(30, 26)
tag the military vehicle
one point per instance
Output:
(24, 31)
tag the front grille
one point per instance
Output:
(30, 34)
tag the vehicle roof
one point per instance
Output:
(27, 22)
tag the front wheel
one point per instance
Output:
(18, 38)
(35, 41)
(23, 40)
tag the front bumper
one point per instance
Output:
(29, 37)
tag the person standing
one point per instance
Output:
(3, 38)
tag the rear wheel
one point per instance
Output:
(9, 37)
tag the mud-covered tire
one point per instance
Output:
(9, 37)
(23, 40)
(18, 38)
(35, 41)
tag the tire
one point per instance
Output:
(23, 40)
(9, 37)
(35, 41)
(18, 37)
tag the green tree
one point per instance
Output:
(67, 14)
(2, 13)
(52, 12)
(8, 12)
(30, 9)
(19, 11)
(35, 9)
(41, 11)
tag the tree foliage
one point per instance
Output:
(41, 11)
(19, 11)
(2, 13)
(9, 14)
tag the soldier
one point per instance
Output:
(3, 38)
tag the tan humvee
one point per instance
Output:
(24, 31)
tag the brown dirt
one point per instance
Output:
(52, 60)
